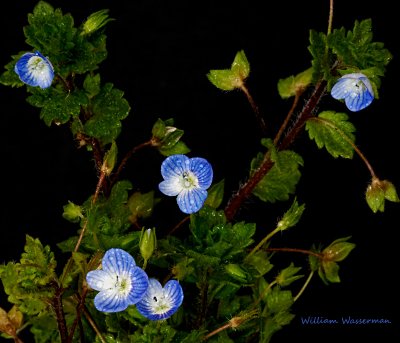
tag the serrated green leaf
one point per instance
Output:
(282, 178)
(333, 131)
(57, 107)
(260, 261)
(92, 85)
(109, 108)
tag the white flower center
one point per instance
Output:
(37, 65)
(119, 284)
(160, 304)
(189, 180)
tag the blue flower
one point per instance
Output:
(355, 89)
(161, 303)
(120, 282)
(187, 178)
(35, 70)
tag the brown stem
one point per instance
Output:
(254, 106)
(245, 191)
(59, 311)
(301, 251)
(128, 156)
(177, 226)
(216, 331)
(79, 309)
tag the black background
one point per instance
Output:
(159, 55)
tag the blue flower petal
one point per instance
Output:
(110, 301)
(174, 166)
(161, 303)
(117, 261)
(360, 101)
(342, 88)
(97, 280)
(140, 282)
(191, 201)
(171, 186)
(355, 89)
(35, 70)
(120, 282)
(203, 170)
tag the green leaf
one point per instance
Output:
(378, 191)
(141, 205)
(92, 85)
(240, 65)
(229, 79)
(109, 108)
(72, 212)
(10, 77)
(215, 194)
(282, 178)
(288, 275)
(334, 132)
(356, 51)
(260, 261)
(28, 283)
(338, 250)
(166, 138)
(331, 271)
(318, 49)
(291, 85)
(57, 107)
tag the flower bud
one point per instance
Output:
(147, 243)
(95, 21)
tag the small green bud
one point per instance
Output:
(72, 212)
(147, 243)
(291, 216)
(95, 21)
(109, 159)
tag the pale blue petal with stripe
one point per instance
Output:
(191, 201)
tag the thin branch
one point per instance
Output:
(245, 191)
(259, 117)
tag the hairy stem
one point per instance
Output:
(245, 191)
(59, 311)
(301, 251)
(127, 157)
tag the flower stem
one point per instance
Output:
(304, 286)
(259, 118)
(330, 20)
(301, 251)
(128, 156)
(348, 140)
(262, 242)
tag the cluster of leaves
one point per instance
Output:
(224, 271)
